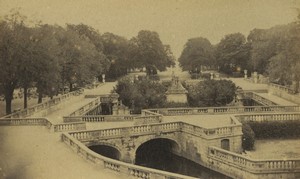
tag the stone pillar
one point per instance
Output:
(211, 76)
(245, 74)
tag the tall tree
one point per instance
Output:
(232, 53)
(12, 38)
(284, 66)
(147, 50)
(116, 50)
(47, 63)
(197, 53)
(80, 60)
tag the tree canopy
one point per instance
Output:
(197, 52)
(211, 93)
(147, 50)
(232, 53)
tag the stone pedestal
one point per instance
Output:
(255, 77)
(245, 74)
(176, 92)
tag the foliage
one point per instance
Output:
(275, 52)
(141, 94)
(248, 138)
(147, 50)
(276, 129)
(232, 53)
(116, 50)
(211, 93)
(197, 52)
(13, 37)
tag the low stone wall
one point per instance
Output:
(43, 122)
(118, 166)
(239, 166)
(223, 110)
(86, 108)
(284, 92)
(269, 117)
(103, 118)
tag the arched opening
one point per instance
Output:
(225, 144)
(156, 153)
(106, 151)
(161, 154)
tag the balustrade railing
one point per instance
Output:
(23, 121)
(39, 107)
(69, 126)
(269, 117)
(118, 166)
(99, 118)
(282, 88)
(223, 110)
(86, 108)
(232, 129)
(42, 122)
(253, 165)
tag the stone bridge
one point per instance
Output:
(187, 140)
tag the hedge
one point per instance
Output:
(276, 129)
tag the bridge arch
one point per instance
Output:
(155, 147)
(106, 149)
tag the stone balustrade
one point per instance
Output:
(284, 92)
(262, 100)
(118, 166)
(223, 110)
(86, 108)
(45, 105)
(23, 121)
(69, 126)
(150, 129)
(43, 122)
(269, 117)
(147, 117)
(282, 88)
(99, 118)
(252, 165)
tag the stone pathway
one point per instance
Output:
(33, 152)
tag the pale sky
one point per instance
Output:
(174, 20)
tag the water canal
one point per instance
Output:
(157, 154)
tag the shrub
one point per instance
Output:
(248, 138)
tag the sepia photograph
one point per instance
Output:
(149, 89)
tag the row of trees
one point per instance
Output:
(48, 57)
(274, 52)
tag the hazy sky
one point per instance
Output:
(174, 20)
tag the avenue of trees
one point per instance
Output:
(273, 52)
(50, 57)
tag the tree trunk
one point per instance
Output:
(40, 98)
(25, 97)
(9, 91)
(297, 86)
(71, 87)
(8, 105)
